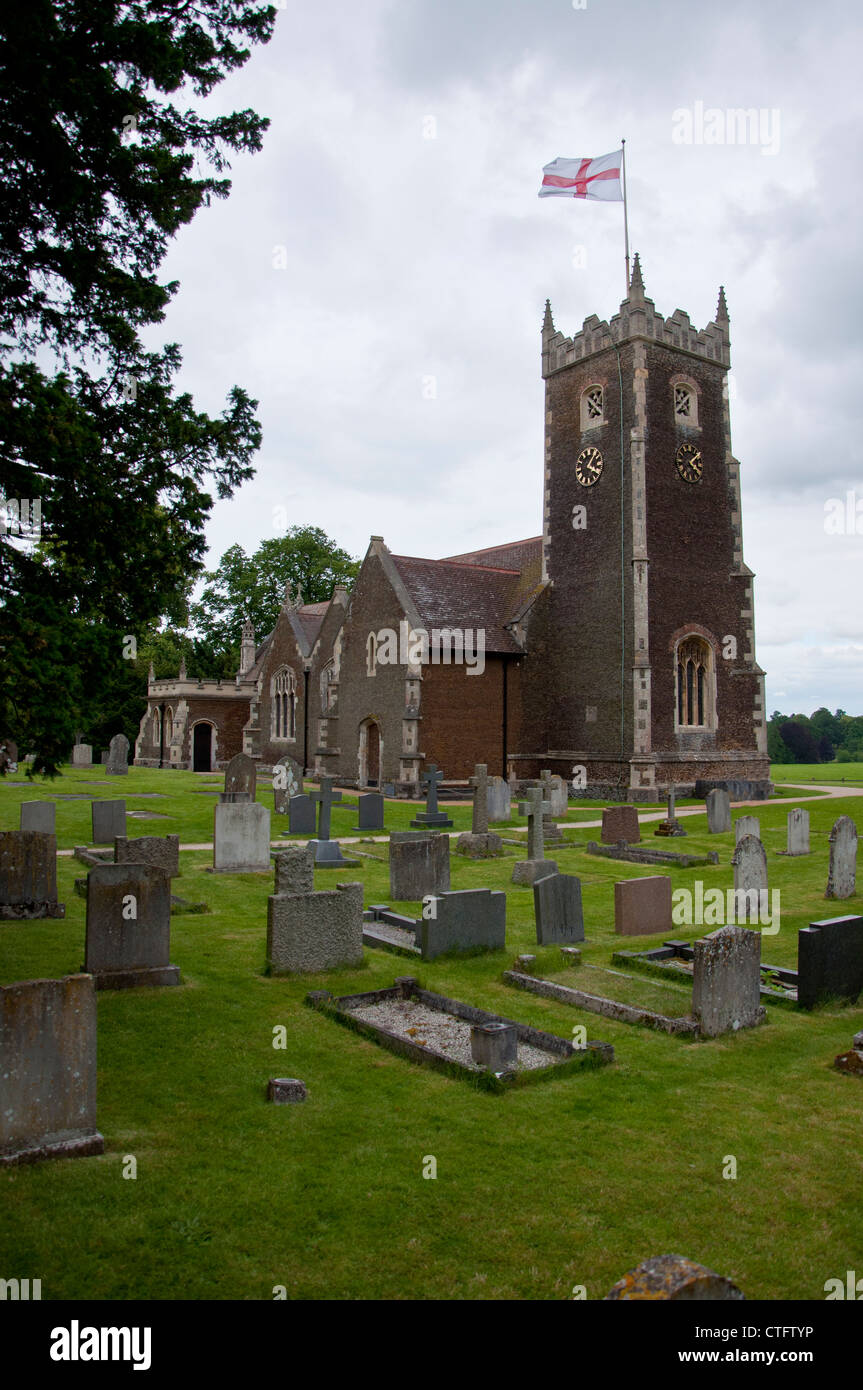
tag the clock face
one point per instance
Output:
(588, 467)
(689, 464)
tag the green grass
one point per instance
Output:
(571, 1182)
(831, 774)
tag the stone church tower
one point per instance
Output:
(641, 652)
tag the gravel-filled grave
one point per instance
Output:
(442, 1033)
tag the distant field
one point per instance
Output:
(850, 773)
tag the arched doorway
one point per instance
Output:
(202, 748)
(370, 754)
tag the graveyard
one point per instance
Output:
(537, 1188)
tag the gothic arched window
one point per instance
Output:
(283, 704)
(696, 705)
(592, 407)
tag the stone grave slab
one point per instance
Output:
(28, 876)
(371, 811)
(558, 909)
(301, 815)
(798, 832)
(466, 920)
(39, 815)
(419, 865)
(241, 837)
(642, 906)
(128, 938)
(308, 932)
(109, 821)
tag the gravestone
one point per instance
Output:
(842, 874)
(557, 793)
(536, 866)
(301, 815)
(241, 837)
(82, 755)
(620, 826)
(726, 981)
(463, 921)
(28, 876)
(671, 825)
(103, 758)
(798, 831)
(718, 811)
(829, 961)
(674, 1277)
(240, 780)
(558, 910)
(118, 756)
(129, 927)
(328, 853)
(371, 811)
(478, 842)
(750, 877)
(286, 1090)
(419, 865)
(494, 1045)
(499, 799)
(48, 1076)
(308, 931)
(746, 825)
(39, 815)
(287, 782)
(295, 870)
(431, 816)
(161, 852)
(642, 906)
(551, 831)
(109, 821)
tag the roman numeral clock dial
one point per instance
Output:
(588, 466)
(689, 463)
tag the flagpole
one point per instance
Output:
(625, 217)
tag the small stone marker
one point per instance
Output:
(842, 875)
(308, 931)
(718, 811)
(498, 799)
(559, 914)
(642, 906)
(431, 816)
(620, 826)
(82, 755)
(674, 1277)
(798, 831)
(463, 921)
(746, 825)
(750, 877)
(109, 821)
(39, 815)
(671, 825)
(286, 1090)
(48, 1076)
(478, 842)
(494, 1045)
(128, 939)
(240, 780)
(726, 981)
(371, 811)
(118, 756)
(288, 771)
(28, 876)
(419, 865)
(241, 837)
(162, 852)
(829, 961)
(536, 866)
(301, 815)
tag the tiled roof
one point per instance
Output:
(455, 594)
(513, 555)
(311, 617)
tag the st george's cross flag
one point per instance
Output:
(584, 178)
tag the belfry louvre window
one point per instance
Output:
(685, 405)
(694, 684)
(592, 407)
(284, 705)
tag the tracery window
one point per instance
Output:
(695, 700)
(283, 704)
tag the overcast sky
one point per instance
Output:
(378, 276)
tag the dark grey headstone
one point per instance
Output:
(240, 779)
(39, 815)
(829, 961)
(718, 811)
(129, 927)
(419, 865)
(118, 756)
(109, 821)
(559, 914)
(371, 811)
(463, 921)
(301, 815)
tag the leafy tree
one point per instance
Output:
(253, 586)
(799, 739)
(101, 169)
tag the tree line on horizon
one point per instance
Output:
(821, 737)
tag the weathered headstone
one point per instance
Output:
(557, 793)
(842, 875)
(499, 799)
(39, 815)
(620, 826)
(28, 876)
(494, 1045)
(48, 1075)
(558, 910)
(726, 981)
(718, 806)
(162, 852)
(301, 815)
(419, 865)
(287, 783)
(829, 961)
(129, 927)
(118, 756)
(798, 831)
(478, 842)
(295, 870)
(240, 780)
(642, 906)
(671, 825)
(431, 816)
(82, 755)
(536, 866)
(241, 837)
(674, 1277)
(371, 811)
(750, 877)
(315, 931)
(109, 821)
(746, 825)
(551, 831)
(463, 921)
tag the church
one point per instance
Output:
(617, 648)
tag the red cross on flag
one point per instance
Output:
(584, 178)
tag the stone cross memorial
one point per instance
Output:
(129, 927)
(671, 825)
(550, 794)
(536, 866)
(118, 756)
(431, 816)
(328, 852)
(479, 842)
(842, 875)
